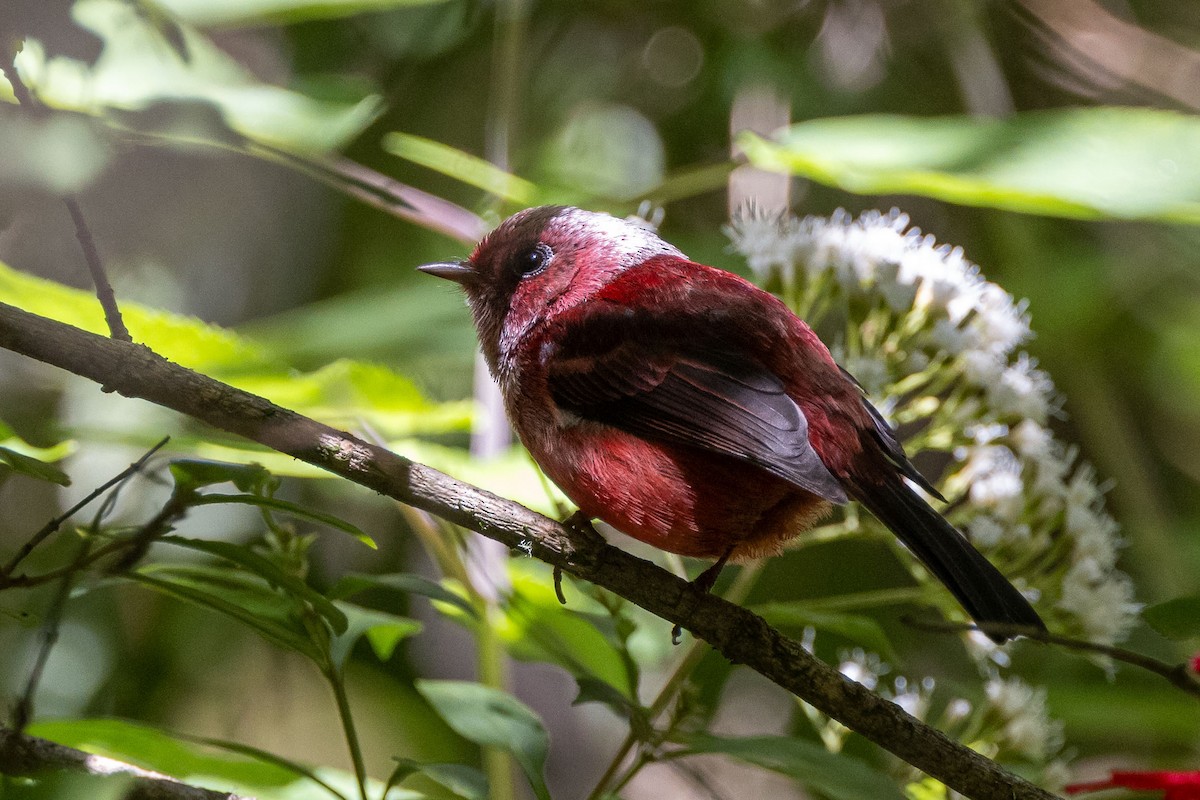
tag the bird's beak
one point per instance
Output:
(457, 271)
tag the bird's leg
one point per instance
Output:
(581, 523)
(704, 582)
(558, 592)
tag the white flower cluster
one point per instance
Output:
(1025, 725)
(933, 341)
(1011, 722)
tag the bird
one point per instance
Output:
(690, 409)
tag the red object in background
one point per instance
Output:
(1195, 663)
(1175, 785)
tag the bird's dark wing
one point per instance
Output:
(649, 382)
(889, 443)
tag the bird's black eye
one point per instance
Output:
(535, 260)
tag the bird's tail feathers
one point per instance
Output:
(981, 589)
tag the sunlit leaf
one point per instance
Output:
(139, 67)
(1094, 163)
(510, 475)
(57, 452)
(213, 764)
(493, 718)
(32, 467)
(469, 169)
(257, 12)
(834, 775)
(344, 393)
(1178, 618)
(185, 340)
(269, 571)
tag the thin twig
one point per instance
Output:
(346, 176)
(159, 525)
(23, 710)
(26, 581)
(104, 290)
(737, 633)
(9, 67)
(56, 523)
(1178, 674)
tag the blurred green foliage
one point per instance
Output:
(605, 104)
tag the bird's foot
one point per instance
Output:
(581, 523)
(705, 581)
(558, 592)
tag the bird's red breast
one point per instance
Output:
(626, 339)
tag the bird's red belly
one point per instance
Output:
(678, 499)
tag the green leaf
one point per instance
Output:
(383, 631)
(290, 508)
(258, 12)
(833, 775)
(469, 169)
(19, 456)
(859, 629)
(269, 571)
(353, 583)
(343, 393)
(238, 595)
(161, 751)
(465, 781)
(71, 786)
(237, 768)
(140, 67)
(594, 690)
(33, 468)
(536, 627)
(1094, 163)
(493, 718)
(184, 340)
(196, 473)
(1178, 618)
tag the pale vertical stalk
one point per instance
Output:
(762, 110)
(491, 434)
(493, 672)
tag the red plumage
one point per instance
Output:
(687, 407)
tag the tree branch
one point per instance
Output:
(742, 637)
